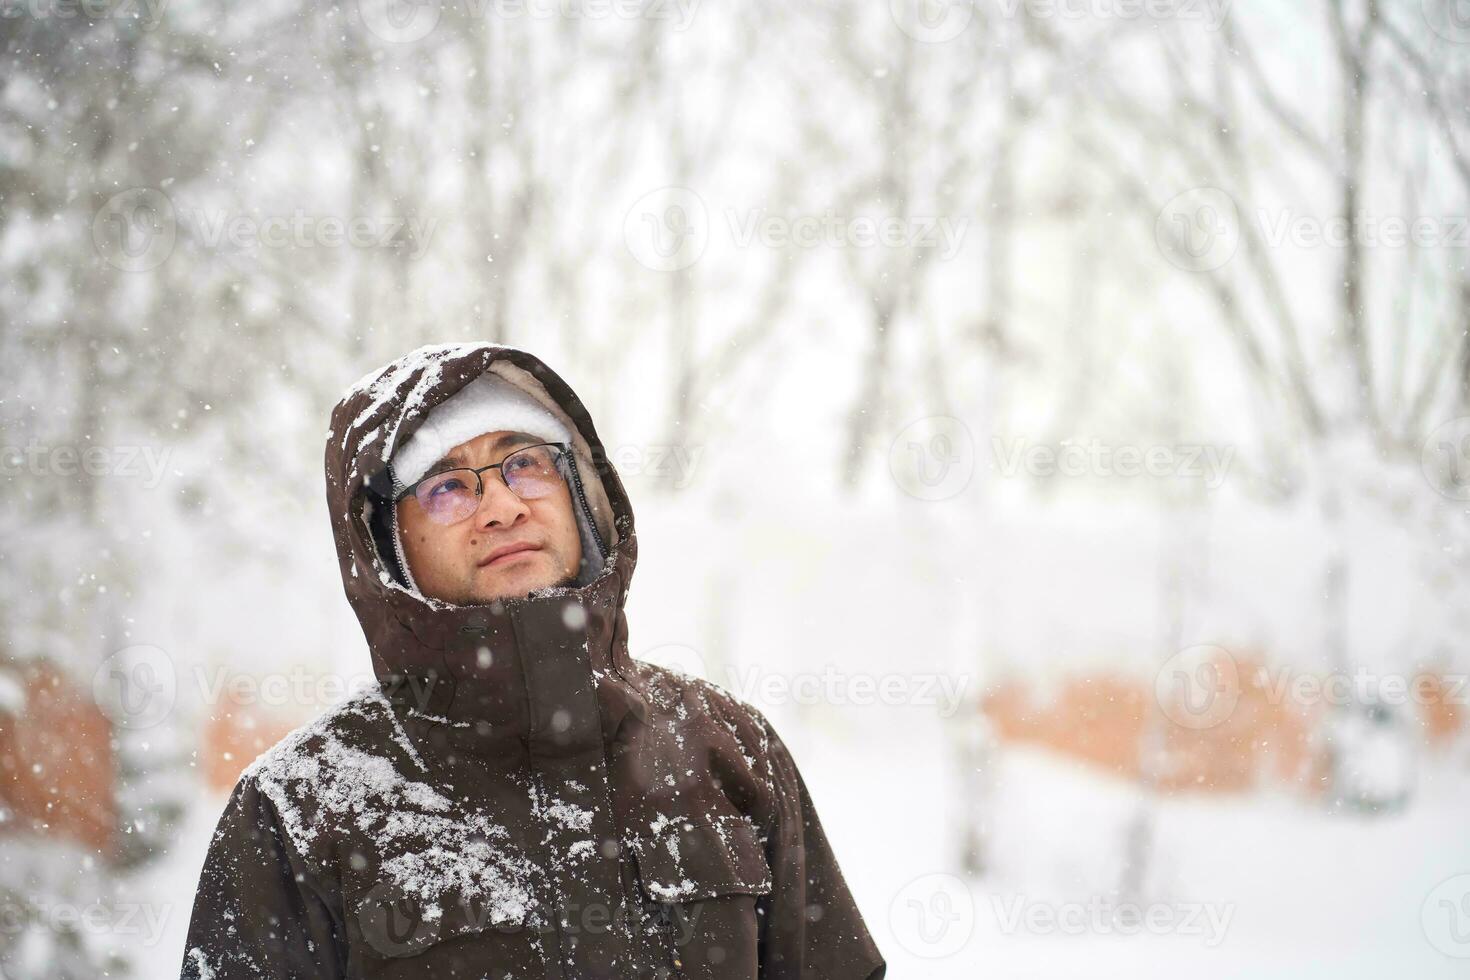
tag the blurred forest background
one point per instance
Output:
(1099, 367)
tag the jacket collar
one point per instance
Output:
(552, 672)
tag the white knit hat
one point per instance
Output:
(487, 404)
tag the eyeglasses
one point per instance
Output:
(451, 496)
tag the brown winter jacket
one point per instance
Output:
(517, 797)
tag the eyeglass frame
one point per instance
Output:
(566, 452)
(563, 450)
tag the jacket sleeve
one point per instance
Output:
(812, 929)
(259, 911)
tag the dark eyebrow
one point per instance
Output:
(449, 461)
(453, 460)
(516, 438)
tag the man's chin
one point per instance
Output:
(519, 584)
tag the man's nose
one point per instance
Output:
(499, 505)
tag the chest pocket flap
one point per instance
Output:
(689, 860)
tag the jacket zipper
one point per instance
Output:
(586, 508)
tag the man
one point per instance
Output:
(517, 797)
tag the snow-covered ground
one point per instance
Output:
(1257, 887)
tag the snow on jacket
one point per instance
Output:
(517, 797)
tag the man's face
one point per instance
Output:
(450, 561)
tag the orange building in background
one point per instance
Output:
(1117, 723)
(233, 736)
(57, 763)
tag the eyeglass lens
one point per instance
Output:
(454, 495)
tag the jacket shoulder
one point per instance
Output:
(339, 769)
(686, 701)
(670, 689)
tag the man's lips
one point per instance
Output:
(507, 553)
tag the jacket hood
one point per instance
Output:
(470, 663)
